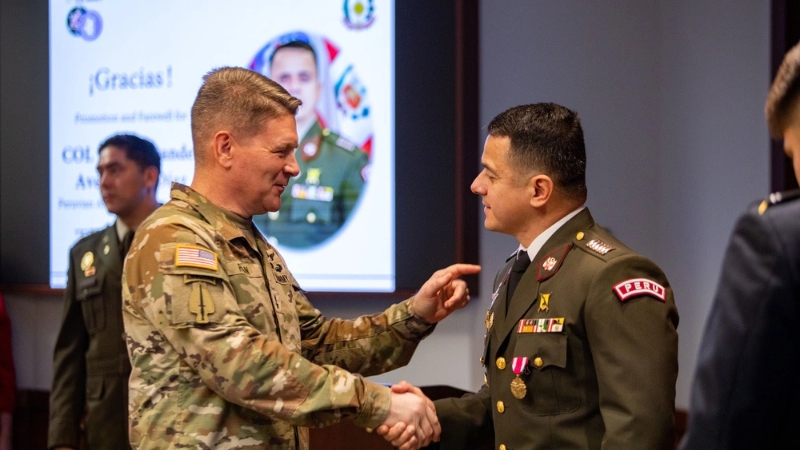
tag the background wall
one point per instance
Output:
(671, 95)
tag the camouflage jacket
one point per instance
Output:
(226, 350)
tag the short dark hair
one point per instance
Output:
(294, 44)
(784, 93)
(546, 138)
(238, 98)
(139, 150)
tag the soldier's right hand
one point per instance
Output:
(412, 411)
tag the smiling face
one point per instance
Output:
(123, 184)
(506, 198)
(264, 163)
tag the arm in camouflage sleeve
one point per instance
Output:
(228, 354)
(368, 345)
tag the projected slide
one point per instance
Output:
(135, 67)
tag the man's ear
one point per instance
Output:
(151, 175)
(541, 188)
(222, 148)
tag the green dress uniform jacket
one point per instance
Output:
(90, 364)
(319, 200)
(597, 323)
(227, 352)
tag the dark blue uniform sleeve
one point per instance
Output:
(745, 389)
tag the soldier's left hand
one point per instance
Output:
(443, 293)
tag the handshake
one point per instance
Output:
(412, 422)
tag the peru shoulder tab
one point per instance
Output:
(776, 198)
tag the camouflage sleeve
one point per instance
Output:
(368, 345)
(189, 317)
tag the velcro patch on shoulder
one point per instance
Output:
(640, 286)
(195, 256)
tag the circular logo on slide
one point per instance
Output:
(84, 23)
(359, 14)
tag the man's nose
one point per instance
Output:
(291, 167)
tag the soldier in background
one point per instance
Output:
(332, 169)
(745, 389)
(226, 350)
(90, 362)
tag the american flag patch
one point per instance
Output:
(554, 325)
(194, 256)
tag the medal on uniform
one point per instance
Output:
(544, 302)
(518, 388)
(87, 260)
(489, 320)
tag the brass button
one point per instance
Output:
(538, 362)
(501, 363)
(482, 360)
(501, 407)
(579, 236)
(502, 447)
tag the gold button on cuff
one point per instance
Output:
(501, 363)
(538, 362)
(579, 236)
(502, 447)
(482, 360)
(501, 407)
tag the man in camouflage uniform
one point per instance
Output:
(226, 350)
(90, 360)
(332, 169)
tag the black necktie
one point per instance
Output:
(125, 245)
(520, 266)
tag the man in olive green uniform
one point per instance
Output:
(226, 350)
(90, 365)
(581, 345)
(332, 169)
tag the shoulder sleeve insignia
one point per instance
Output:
(599, 246)
(640, 286)
(195, 256)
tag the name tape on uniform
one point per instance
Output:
(640, 286)
(554, 325)
(194, 256)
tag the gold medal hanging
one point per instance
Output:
(489, 320)
(518, 388)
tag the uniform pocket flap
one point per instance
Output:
(543, 349)
(89, 287)
(94, 387)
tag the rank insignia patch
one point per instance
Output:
(194, 256)
(599, 246)
(640, 286)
